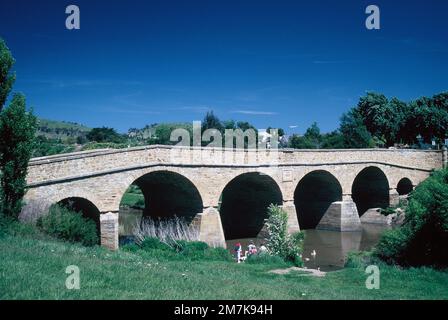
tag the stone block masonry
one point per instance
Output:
(102, 177)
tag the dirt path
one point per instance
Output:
(308, 272)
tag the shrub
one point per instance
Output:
(65, 224)
(190, 246)
(279, 242)
(266, 258)
(191, 250)
(423, 238)
(359, 259)
(151, 243)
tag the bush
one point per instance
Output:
(191, 250)
(279, 242)
(190, 246)
(359, 259)
(154, 244)
(266, 258)
(65, 224)
(423, 238)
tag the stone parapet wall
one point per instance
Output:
(103, 161)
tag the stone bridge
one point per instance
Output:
(225, 192)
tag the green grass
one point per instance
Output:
(32, 266)
(133, 200)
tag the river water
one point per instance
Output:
(331, 247)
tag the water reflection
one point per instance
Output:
(128, 218)
(331, 247)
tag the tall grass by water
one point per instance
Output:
(168, 231)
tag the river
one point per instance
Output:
(331, 247)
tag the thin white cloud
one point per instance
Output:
(130, 111)
(254, 112)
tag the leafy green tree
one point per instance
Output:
(105, 134)
(279, 242)
(373, 108)
(300, 142)
(7, 78)
(211, 122)
(423, 238)
(310, 140)
(17, 131)
(428, 118)
(353, 130)
(229, 124)
(162, 134)
(333, 140)
(313, 135)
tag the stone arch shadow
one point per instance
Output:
(83, 206)
(313, 195)
(404, 186)
(166, 194)
(370, 189)
(244, 202)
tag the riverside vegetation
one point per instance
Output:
(32, 266)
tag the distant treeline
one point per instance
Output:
(375, 121)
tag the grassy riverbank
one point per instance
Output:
(32, 266)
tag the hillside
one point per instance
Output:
(52, 129)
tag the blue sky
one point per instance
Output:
(272, 63)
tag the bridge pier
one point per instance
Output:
(210, 228)
(109, 230)
(394, 197)
(293, 222)
(341, 216)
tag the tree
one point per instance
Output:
(428, 118)
(279, 242)
(332, 140)
(310, 140)
(313, 135)
(353, 130)
(104, 134)
(7, 78)
(17, 131)
(211, 122)
(423, 238)
(372, 109)
(300, 142)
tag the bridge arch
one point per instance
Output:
(404, 186)
(244, 202)
(168, 194)
(313, 195)
(84, 206)
(370, 189)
